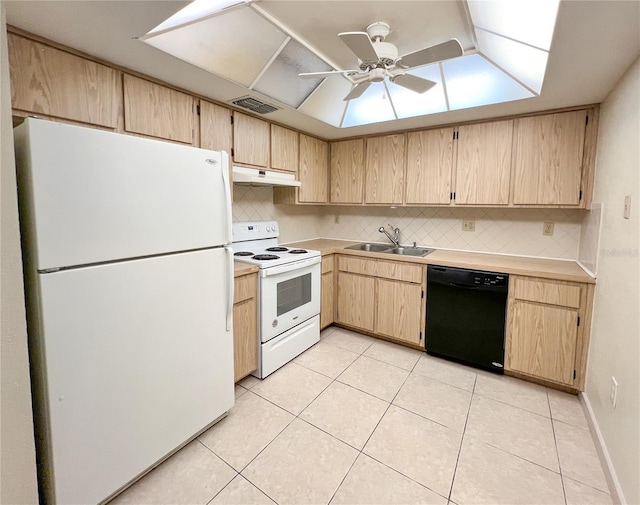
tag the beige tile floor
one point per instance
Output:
(355, 420)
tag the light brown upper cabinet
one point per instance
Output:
(284, 149)
(484, 163)
(157, 111)
(347, 171)
(215, 127)
(313, 174)
(251, 140)
(48, 81)
(429, 167)
(548, 156)
(384, 169)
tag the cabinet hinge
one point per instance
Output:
(232, 152)
(578, 320)
(421, 336)
(422, 295)
(574, 375)
(587, 120)
(580, 195)
(198, 110)
(231, 118)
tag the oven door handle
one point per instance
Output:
(230, 286)
(290, 267)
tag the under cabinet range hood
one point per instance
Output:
(260, 177)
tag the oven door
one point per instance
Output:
(289, 295)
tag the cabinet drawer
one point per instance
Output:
(400, 271)
(244, 288)
(357, 265)
(328, 264)
(552, 293)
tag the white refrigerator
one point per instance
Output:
(129, 282)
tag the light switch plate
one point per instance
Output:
(627, 206)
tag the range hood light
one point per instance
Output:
(259, 177)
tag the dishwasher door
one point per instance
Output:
(466, 311)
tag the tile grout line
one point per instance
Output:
(455, 468)
(555, 441)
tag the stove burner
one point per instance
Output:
(297, 251)
(266, 257)
(243, 253)
(277, 249)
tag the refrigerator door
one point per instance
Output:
(89, 196)
(138, 360)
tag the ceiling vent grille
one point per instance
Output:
(255, 105)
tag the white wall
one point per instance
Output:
(17, 459)
(615, 335)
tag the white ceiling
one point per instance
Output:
(594, 43)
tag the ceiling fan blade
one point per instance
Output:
(412, 82)
(439, 52)
(357, 91)
(317, 75)
(360, 44)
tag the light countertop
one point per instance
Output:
(240, 268)
(536, 267)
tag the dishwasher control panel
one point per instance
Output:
(482, 279)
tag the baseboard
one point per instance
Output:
(603, 454)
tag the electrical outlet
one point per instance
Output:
(336, 219)
(547, 229)
(613, 394)
(468, 225)
(627, 206)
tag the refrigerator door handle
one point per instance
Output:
(230, 292)
(227, 195)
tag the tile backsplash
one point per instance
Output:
(507, 231)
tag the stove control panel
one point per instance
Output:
(254, 230)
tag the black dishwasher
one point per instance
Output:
(466, 312)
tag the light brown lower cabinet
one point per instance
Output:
(327, 291)
(548, 330)
(382, 297)
(245, 326)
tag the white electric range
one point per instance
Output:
(288, 293)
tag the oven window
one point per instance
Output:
(294, 293)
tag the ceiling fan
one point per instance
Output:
(379, 59)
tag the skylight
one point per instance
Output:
(512, 38)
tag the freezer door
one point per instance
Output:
(89, 196)
(137, 360)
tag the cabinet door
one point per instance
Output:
(313, 170)
(48, 81)
(384, 170)
(326, 302)
(543, 341)
(284, 149)
(157, 111)
(484, 163)
(429, 166)
(347, 171)
(399, 311)
(250, 140)
(245, 338)
(215, 127)
(245, 326)
(548, 159)
(355, 300)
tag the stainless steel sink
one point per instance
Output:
(409, 251)
(389, 249)
(370, 247)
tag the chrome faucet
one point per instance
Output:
(396, 234)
